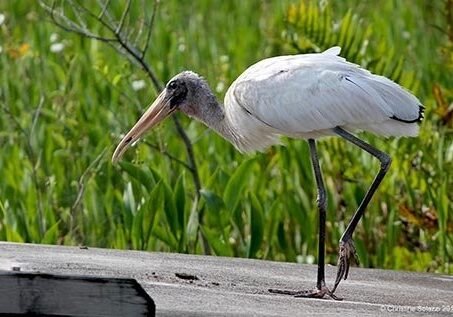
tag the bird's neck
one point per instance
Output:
(214, 117)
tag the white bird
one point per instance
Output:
(301, 96)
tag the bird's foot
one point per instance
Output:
(313, 293)
(347, 255)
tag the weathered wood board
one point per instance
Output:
(65, 295)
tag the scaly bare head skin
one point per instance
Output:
(177, 95)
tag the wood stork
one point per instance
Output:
(301, 96)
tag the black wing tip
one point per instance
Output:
(421, 116)
(421, 113)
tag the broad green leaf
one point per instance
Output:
(170, 211)
(213, 201)
(272, 217)
(256, 226)
(193, 224)
(179, 197)
(51, 235)
(129, 199)
(12, 235)
(236, 184)
(217, 243)
(116, 79)
(120, 239)
(165, 237)
(153, 205)
(137, 230)
(140, 174)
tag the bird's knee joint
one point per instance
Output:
(386, 161)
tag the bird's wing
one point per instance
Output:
(313, 92)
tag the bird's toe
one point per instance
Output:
(313, 293)
(347, 255)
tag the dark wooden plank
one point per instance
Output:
(67, 295)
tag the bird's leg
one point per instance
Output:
(321, 289)
(347, 252)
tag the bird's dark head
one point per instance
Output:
(187, 92)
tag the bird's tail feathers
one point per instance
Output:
(404, 106)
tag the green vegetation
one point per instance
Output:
(64, 107)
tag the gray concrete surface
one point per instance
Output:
(239, 287)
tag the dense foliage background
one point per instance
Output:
(65, 100)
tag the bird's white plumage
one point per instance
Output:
(305, 96)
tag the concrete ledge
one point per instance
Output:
(191, 285)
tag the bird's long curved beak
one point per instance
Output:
(158, 111)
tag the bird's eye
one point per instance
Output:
(172, 84)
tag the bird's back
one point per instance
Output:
(307, 95)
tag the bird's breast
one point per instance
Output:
(251, 133)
